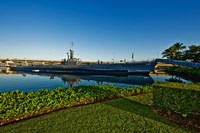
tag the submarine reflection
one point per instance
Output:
(76, 80)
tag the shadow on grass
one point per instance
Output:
(137, 108)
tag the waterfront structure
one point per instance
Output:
(179, 63)
(22, 63)
(7, 63)
(38, 63)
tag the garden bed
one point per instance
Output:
(18, 105)
(190, 122)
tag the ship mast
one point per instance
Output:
(72, 51)
(70, 57)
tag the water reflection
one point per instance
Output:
(34, 81)
(164, 77)
(73, 80)
(5, 70)
(175, 79)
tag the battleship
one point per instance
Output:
(74, 66)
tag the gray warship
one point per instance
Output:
(74, 66)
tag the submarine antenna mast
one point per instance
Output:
(133, 57)
(72, 46)
(72, 51)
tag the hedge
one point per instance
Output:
(180, 98)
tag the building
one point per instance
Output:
(38, 63)
(7, 63)
(21, 63)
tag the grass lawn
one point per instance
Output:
(130, 114)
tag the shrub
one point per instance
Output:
(177, 97)
(17, 105)
(191, 73)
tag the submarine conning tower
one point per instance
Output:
(71, 60)
(71, 54)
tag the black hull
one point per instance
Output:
(81, 71)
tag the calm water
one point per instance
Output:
(35, 81)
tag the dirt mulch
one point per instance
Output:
(191, 122)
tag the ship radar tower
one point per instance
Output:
(70, 57)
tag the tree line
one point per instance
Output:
(179, 52)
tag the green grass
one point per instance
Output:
(130, 114)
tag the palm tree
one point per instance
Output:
(193, 53)
(175, 51)
(166, 53)
(170, 53)
(179, 50)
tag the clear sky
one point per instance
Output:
(100, 29)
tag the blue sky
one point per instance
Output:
(100, 29)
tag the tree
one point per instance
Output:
(175, 51)
(169, 53)
(179, 50)
(193, 53)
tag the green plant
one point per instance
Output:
(18, 105)
(177, 97)
(124, 115)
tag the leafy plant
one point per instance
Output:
(16, 105)
(192, 73)
(177, 97)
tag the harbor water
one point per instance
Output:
(35, 81)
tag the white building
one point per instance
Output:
(38, 63)
(25, 63)
(7, 63)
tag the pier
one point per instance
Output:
(179, 63)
